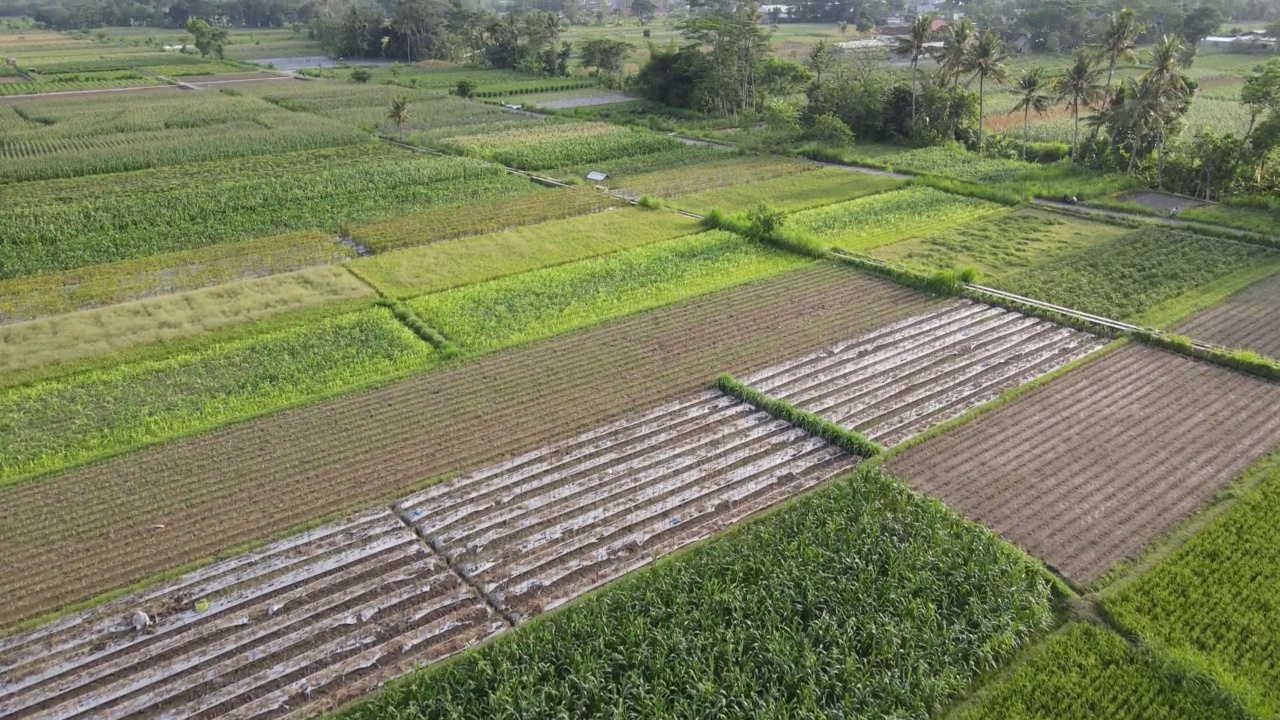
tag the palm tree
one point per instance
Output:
(552, 24)
(398, 113)
(986, 61)
(1033, 90)
(1163, 94)
(959, 37)
(1079, 86)
(1118, 42)
(915, 47)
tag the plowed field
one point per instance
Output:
(1084, 471)
(290, 629)
(1250, 319)
(541, 529)
(70, 536)
(899, 380)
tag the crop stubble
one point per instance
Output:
(1250, 319)
(1086, 470)
(86, 531)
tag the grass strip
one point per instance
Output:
(848, 440)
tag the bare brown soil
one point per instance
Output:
(70, 536)
(1162, 202)
(1250, 319)
(1085, 471)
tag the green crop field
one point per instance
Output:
(1212, 597)
(1000, 244)
(50, 424)
(1084, 671)
(70, 235)
(353, 302)
(1137, 272)
(97, 332)
(860, 225)
(551, 145)
(525, 307)
(536, 205)
(446, 264)
(35, 296)
(790, 193)
(862, 600)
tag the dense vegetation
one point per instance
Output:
(860, 600)
(50, 424)
(1084, 671)
(536, 304)
(1123, 277)
(1212, 597)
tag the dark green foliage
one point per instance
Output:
(360, 75)
(765, 225)
(848, 440)
(859, 600)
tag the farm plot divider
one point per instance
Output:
(292, 629)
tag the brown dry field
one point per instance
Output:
(1083, 472)
(1161, 202)
(77, 534)
(1249, 319)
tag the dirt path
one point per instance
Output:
(144, 513)
(1085, 471)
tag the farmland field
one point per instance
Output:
(309, 462)
(1086, 671)
(310, 377)
(1135, 273)
(64, 339)
(526, 307)
(1124, 449)
(335, 612)
(815, 611)
(35, 296)
(790, 193)
(1001, 244)
(901, 379)
(1211, 598)
(453, 263)
(862, 224)
(50, 424)
(43, 238)
(1250, 319)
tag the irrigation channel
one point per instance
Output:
(302, 625)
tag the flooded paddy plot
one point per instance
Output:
(547, 526)
(291, 629)
(1084, 471)
(899, 380)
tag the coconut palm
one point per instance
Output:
(1163, 94)
(1079, 86)
(960, 37)
(1033, 94)
(915, 46)
(986, 62)
(1118, 42)
(398, 113)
